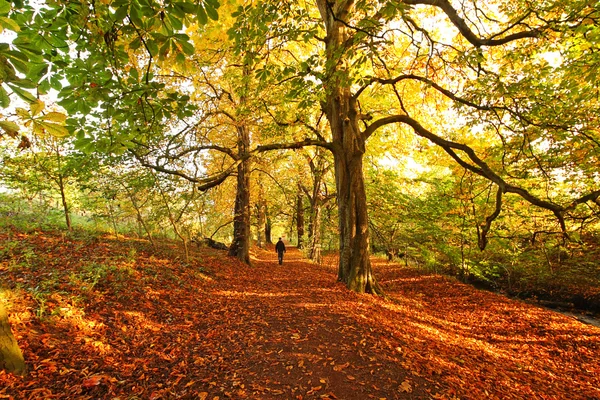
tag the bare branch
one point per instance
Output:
(468, 34)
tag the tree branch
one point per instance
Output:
(480, 167)
(468, 34)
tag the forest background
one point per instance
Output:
(461, 136)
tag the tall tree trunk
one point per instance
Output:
(349, 148)
(63, 197)
(261, 223)
(354, 265)
(318, 167)
(240, 246)
(300, 220)
(315, 231)
(261, 218)
(268, 225)
(11, 357)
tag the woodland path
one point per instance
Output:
(217, 329)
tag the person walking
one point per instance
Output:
(280, 249)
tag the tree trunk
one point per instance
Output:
(140, 218)
(11, 357)
(65, 205)
(348, 151)
(354, 265)
(111, 213)
(315, 231)
(261, 220)
(268, 224)
(240, 247)
(300, 220)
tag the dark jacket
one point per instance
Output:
(280, 247)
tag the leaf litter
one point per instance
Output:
(107, 319)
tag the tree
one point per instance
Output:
(318, 196)
(393, 52)
(11, 357)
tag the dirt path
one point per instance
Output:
(297, 334)
(120, 321)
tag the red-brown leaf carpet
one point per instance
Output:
(107, 319)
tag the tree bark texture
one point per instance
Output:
(348, 151)
(240, 246)
(11, 357)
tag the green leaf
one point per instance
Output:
(8, 23)
(136, 15)
(153, 47)
(37, 71)
(57, 41)
(120, 13)
(25, 83)
(212, 12)
(188, 8)
(4, 99)
(4, 7)
(201, 15)
(23, 94)
(176, 23)
(83, 144)
(135, 44)
(186, 47)
(20, 66)
(214, 3)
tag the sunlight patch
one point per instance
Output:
(141, 321)
(231, 293)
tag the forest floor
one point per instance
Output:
(108, 319)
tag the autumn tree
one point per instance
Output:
(420, 58)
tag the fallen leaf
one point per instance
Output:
(91, 382)
(406, 387)
(155, 396)
(340, 367)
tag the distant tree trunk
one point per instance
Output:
(11, 357)
(261, 224)
(300, 220)
(65, 205)
(315, 231)
(268, 225)
(138, 211)
(318, 167)
(111, 213)
(240, 246)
